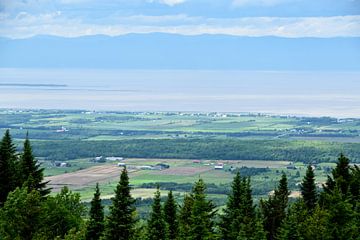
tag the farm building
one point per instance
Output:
(196, 161)
(219, 167)
(145, 167)
(64, 164)
(161, 166)
(114, 159)
(121, 164)
(99, 159)
(61, 164)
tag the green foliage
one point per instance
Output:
(121, 221)
(95, 225)
(341, 176)
(156, 224)
(342, 216)
(274, 209)
(291, 227)
(202, 214)
(239, 215)
(61, 213)
(20, 216)
(170, 216)
(27, 214)
(308, 189)
(317, 225)
(8, 167)
(198, 148)
(185, 216)
(30, 170)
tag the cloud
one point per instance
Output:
(264, 3)
(168, 2)
(25, 25)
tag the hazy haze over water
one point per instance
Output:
(296, 93)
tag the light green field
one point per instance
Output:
(262, 183)
(138, 125)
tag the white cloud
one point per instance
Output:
(168, 2)
(265, 3)
(55, 23)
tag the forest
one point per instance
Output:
(28, 210)
(225, 149)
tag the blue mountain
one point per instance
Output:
(172, 51)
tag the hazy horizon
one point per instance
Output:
(305, 93)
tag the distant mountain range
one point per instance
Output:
(171, 51)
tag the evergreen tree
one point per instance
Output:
(8, 167)
(355, 185)
(291, 227)
(308, 189)
(202, 214)
(239, 214)
(343, 220)
(5, 176)
(30, 168)
(185, 217)
(170, 216)
(282, 193)
(156, 223)
(95, 226)
(121, 220)
(317, 225)
(341, 176)
(274, 209)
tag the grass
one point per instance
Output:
(260, 182)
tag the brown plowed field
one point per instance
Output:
(84, 177)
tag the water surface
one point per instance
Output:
(296, 93)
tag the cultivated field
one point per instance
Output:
(181, 171)
(83, 178)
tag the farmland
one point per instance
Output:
(61, 135)
(180, 176)
(258, 145)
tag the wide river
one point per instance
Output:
(296, 93)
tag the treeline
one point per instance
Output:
(28, 212)
(225, 149)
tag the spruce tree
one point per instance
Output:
(121, 220)
(30, 170)
(202, 214)
(170, 216)
(308, 189)
(156, 223)
(8, 167)
(341, 176)
(274, 209)
(185, 216)
(239, 214)
(95, 225)
(292, 226)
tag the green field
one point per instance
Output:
(179, 179)
(123, 125)
(147, 138)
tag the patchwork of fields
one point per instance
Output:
(260, 146)
(179, 177)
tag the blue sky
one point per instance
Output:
(284, 18)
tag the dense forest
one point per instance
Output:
(225, 149)
(29, 211)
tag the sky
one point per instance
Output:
(282, 18)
